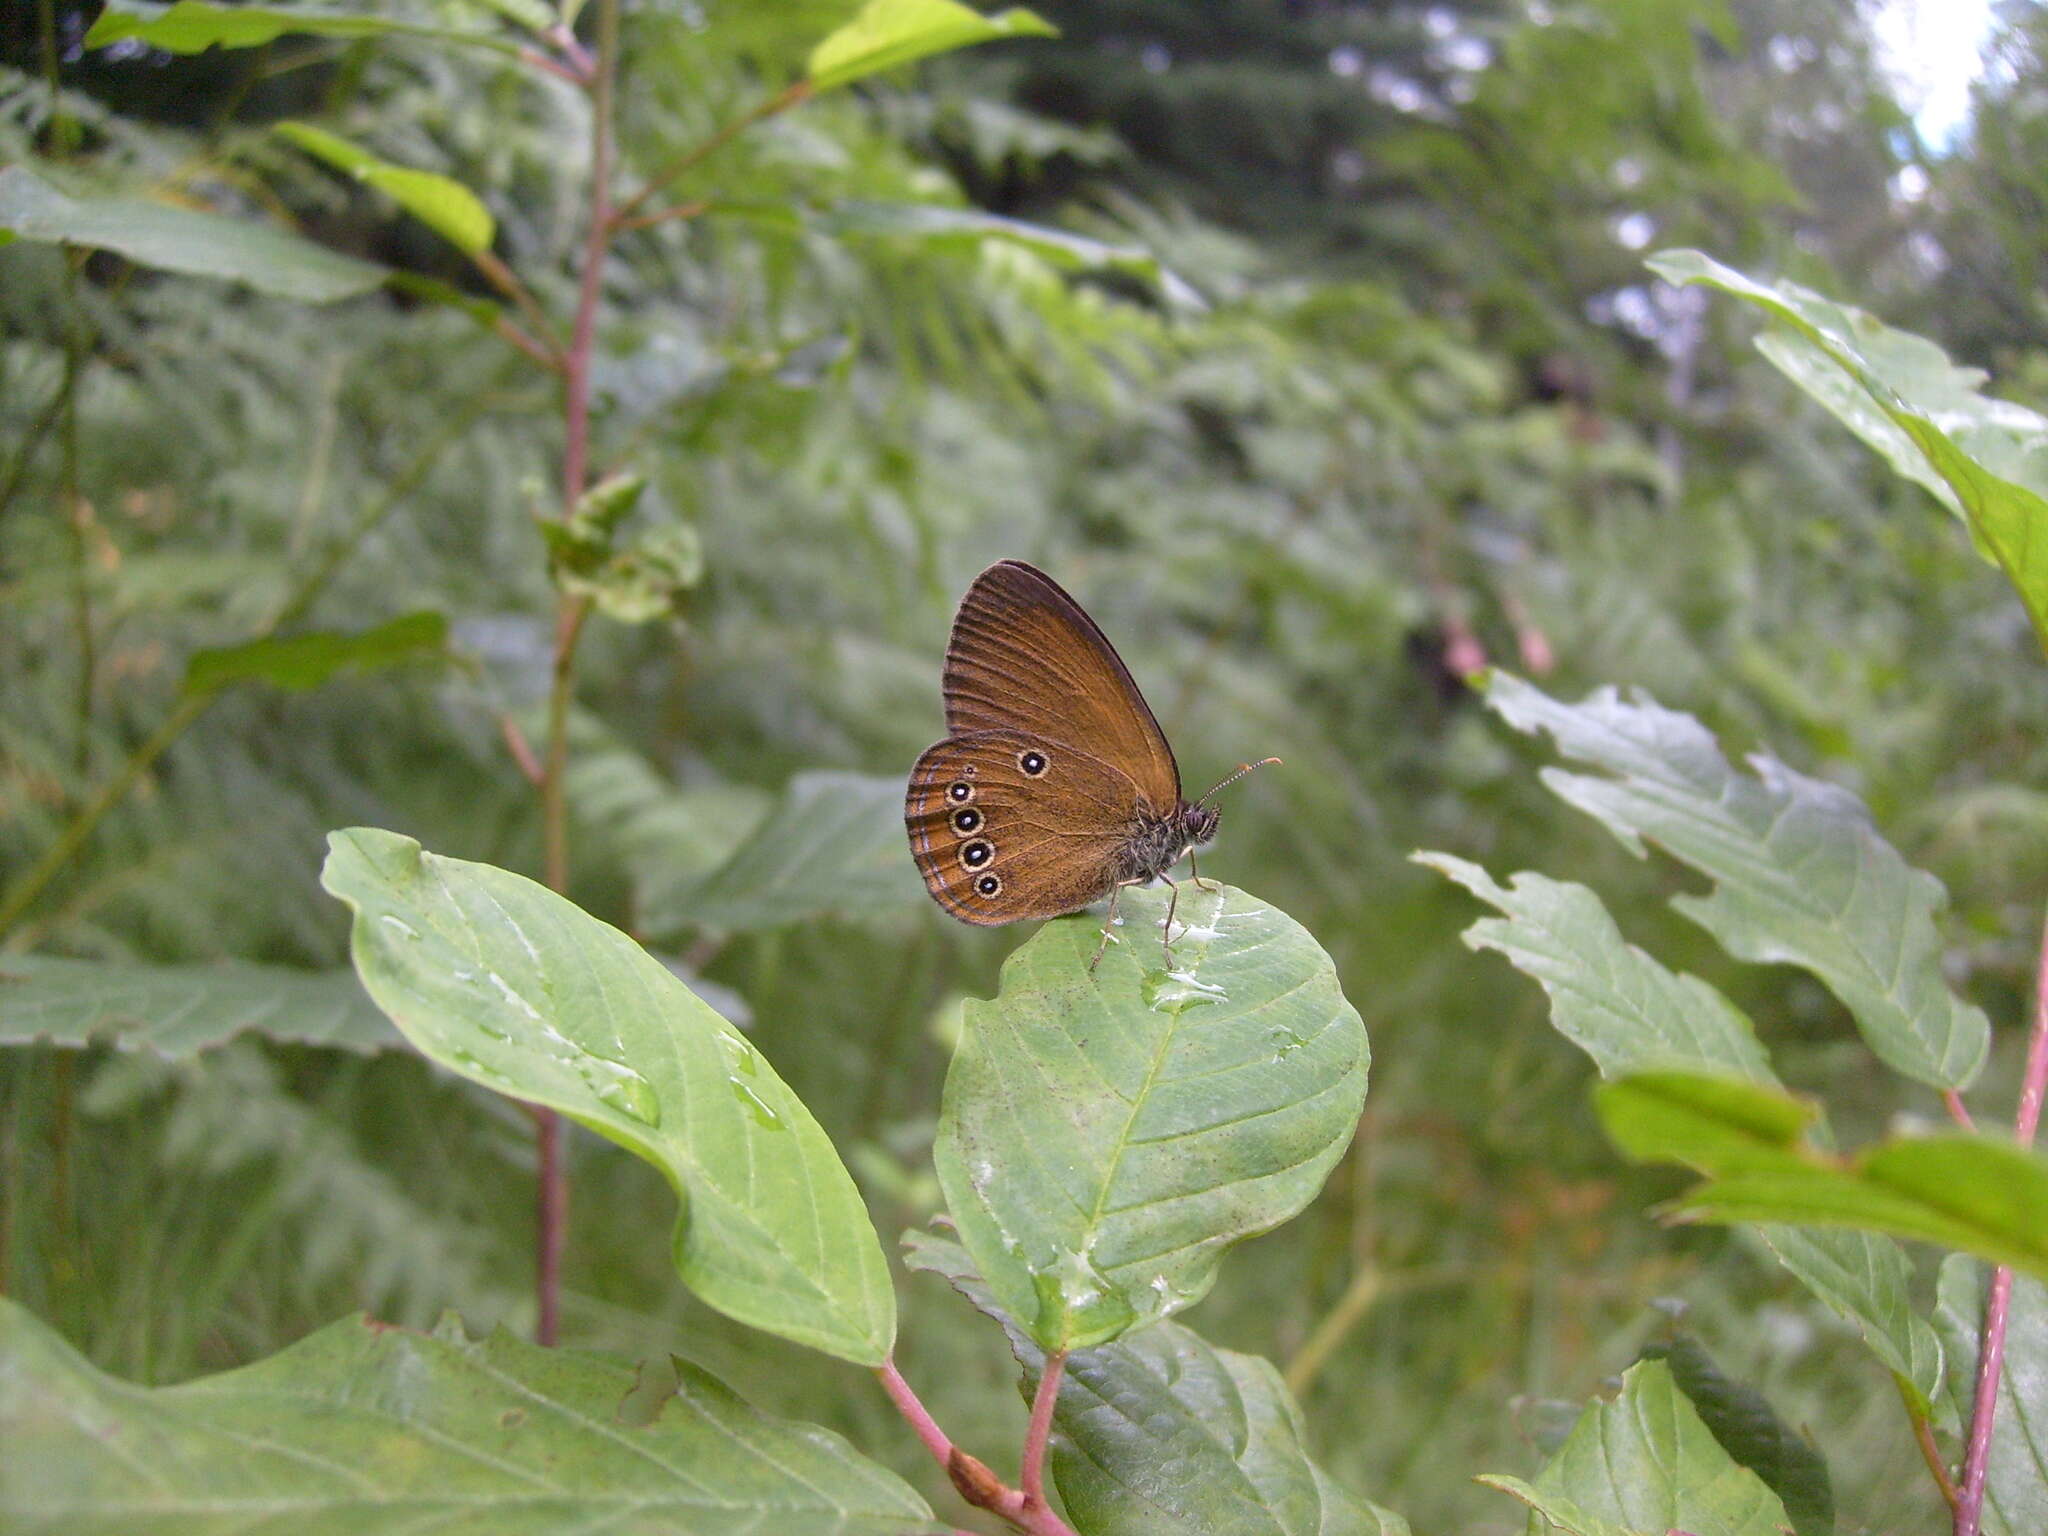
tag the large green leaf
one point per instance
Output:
(367, 1430)
(183, 240)
(193, 26)
(1166, 1435)
(888, 33)
(1972, 1193)
(1984, 457)
(833, 844)
(2016, 1472)
(1742, 1420)
(299, 662)
(441, 203)
(503, 981)
(1106, 1136)
(1609, 998)
(1647, 1463)
(1801, 875)
(180, 1010)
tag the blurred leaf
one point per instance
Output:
(1715, 1124)
(1647, 1463)
(530, 14)
(1741, 1419)
(182, 240)
(2016, 1471)
(1164, 1434)
(1607, 997)
(193, 26)
(1965, 1192)
(970, 226)
(178, 1011)
(832, 845)
(1801, 875)
(441, 203)
(1901, 394)
(1867, 1278)
(887, 33)
(501, 980)
(1105, 1137)
(299, 662)
(370, 1430)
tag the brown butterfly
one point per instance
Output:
(1055, 786)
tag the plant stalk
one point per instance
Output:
(1991, 1355)
(551, 1198)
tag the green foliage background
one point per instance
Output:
(1373, 381)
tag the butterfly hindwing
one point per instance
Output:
(1024, 656)
(1043, 821)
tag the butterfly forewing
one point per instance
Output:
(1005, 825)
(1025, 657)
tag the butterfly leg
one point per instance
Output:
(1166, 927)
(1195, 874)
(1109, 923)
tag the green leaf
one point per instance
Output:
(441, 203)
(1630, 1014)
(2016, 1470)
(1609, 998)
(1801, 875)
(887, 33)
(300, 662)
(832, 845)
(503, 981)
(1166, 1435)
(1901, 394)
(182, 240)
(1106, 1137)
(1742, 1421)
(374, 1431)
(1982, 1196)
(1646, 1462)
(193, 26)
(1715, 1124)
(178, 1011)
(934, 223)
(1867, 1278)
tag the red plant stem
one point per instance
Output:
(1035, 1440)
(914, 1412)
(970, 1477)
(551, 1223)
(1991, 1357)
(551, 1200)
(1958, 1111)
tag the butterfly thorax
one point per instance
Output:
(1157, 843)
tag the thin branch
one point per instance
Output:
(506, 281)
(1930, 1452)
(781, 101)
(1991, 1354)
(551, 65)
(521, 750)
(688, 210)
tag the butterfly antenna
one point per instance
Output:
(1243, 769)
